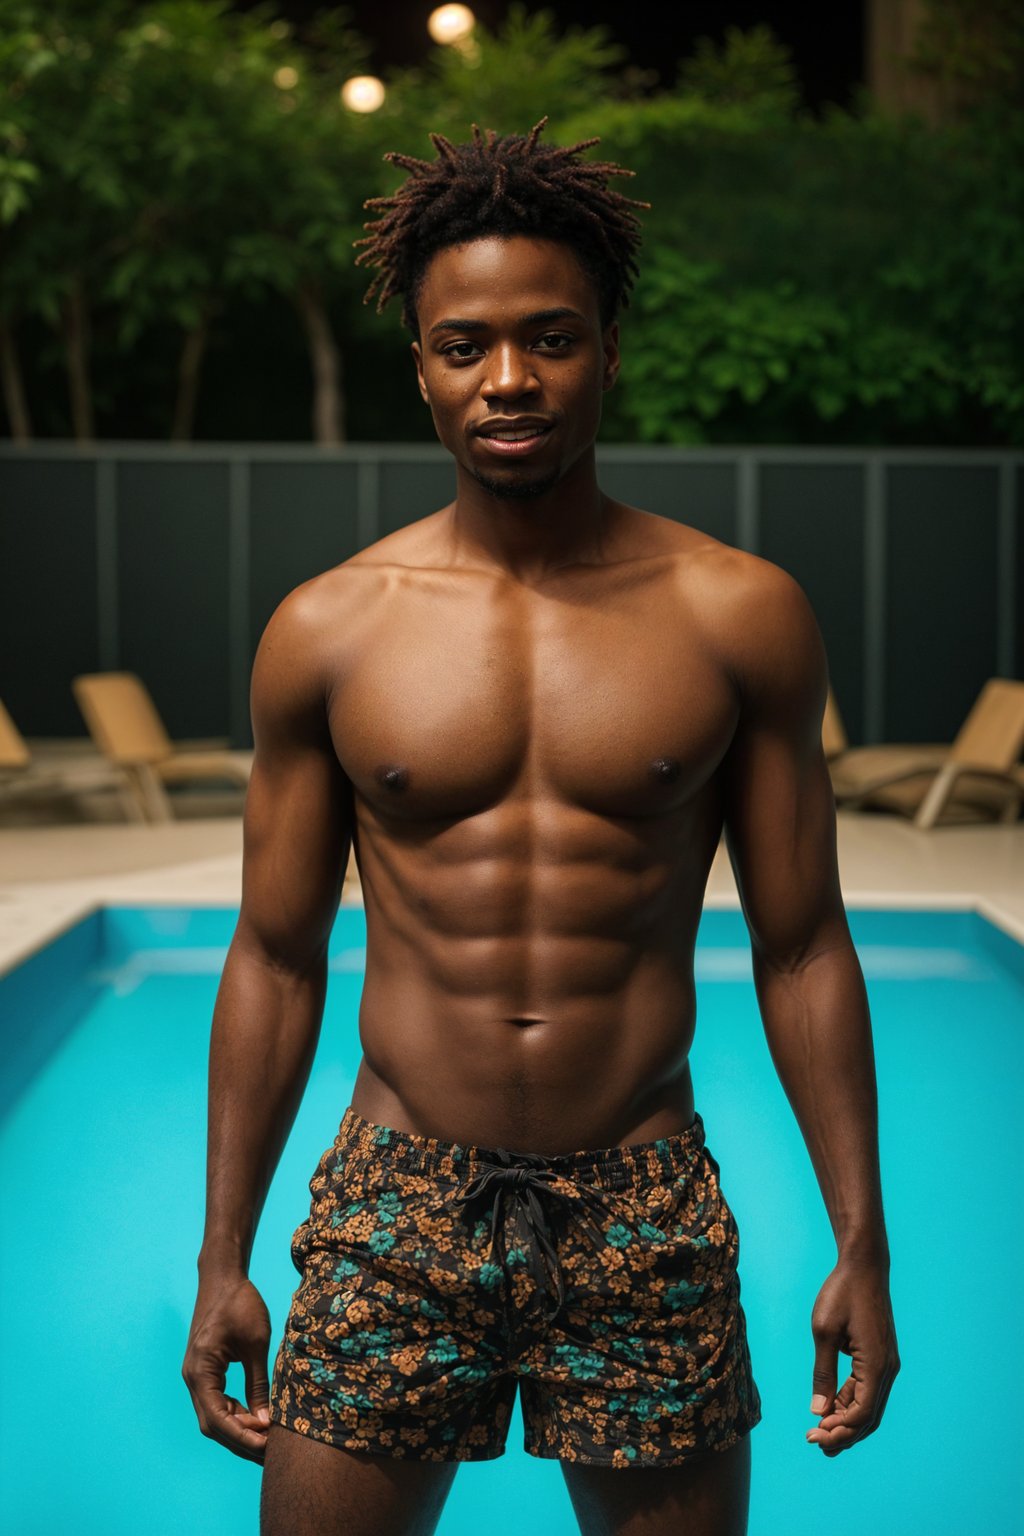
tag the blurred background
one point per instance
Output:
(823, 364)
(824, 358)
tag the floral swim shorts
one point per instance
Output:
(435, 1277)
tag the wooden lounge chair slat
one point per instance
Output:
(14, 751)
(973, 777)
(126, 726)
(22, 777)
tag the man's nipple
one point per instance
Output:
(391, 776)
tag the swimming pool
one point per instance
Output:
(102, 1148)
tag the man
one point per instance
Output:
(532, 713)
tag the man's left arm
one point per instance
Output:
(780, 830)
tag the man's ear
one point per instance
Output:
(417, 353)
(612, 359)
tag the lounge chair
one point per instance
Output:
(975, 778)
(853, 767)
(23, 777)
(124, 724)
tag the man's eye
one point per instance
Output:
(455, 349)
(556, 341)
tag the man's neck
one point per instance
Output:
(529, 538)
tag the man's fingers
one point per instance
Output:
(257, 1388)
(823, 1388)
(846, 1396)
(836, 1440)
(857, 1411)
(852, 1314)
(231, 1322)
(224, 1418)
(233, 1426)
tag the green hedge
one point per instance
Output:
(851, 280)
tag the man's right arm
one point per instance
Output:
(266, 1022)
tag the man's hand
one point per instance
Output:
(231, 1322)
(853, 1313)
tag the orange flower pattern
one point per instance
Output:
(435, 1277)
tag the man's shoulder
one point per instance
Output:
(738, 578)
(728, 581)
(753, 614)
(354, 585)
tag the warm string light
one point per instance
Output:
(363, 93)
(451, 24)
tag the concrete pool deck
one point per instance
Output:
(51, 876)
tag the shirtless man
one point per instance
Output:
(533, 714)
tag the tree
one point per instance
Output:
(249, 184)
(161, 159)
(752, 70)
(849, 280)
(61, 194)
(507, 79)
(975, 50)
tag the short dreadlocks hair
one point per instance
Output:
(502, 185)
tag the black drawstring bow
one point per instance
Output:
(525, 1175)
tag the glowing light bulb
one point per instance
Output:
(451, 23)
(363, 93)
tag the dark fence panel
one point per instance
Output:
(412, 488)
(942, 625)
(700, 494)
(812, 523)
(169, 561)
(172, 573)
(49, 609)
(297, 531)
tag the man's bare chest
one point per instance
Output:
(618, 707)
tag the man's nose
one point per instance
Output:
(510, 374)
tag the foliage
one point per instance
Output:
(752, 69)
(59, 180)
(174, 156)
(851, 280)
(507, 79)
(200, 160)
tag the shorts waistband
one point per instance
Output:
(635, 1163)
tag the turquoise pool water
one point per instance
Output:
(102, 1146)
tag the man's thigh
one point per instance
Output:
(708, 1495)
(313, 1489)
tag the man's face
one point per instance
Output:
(513, 360)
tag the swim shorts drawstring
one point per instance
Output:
(525, 1175)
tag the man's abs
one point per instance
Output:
(543, 1002)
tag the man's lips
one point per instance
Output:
(514, 438)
